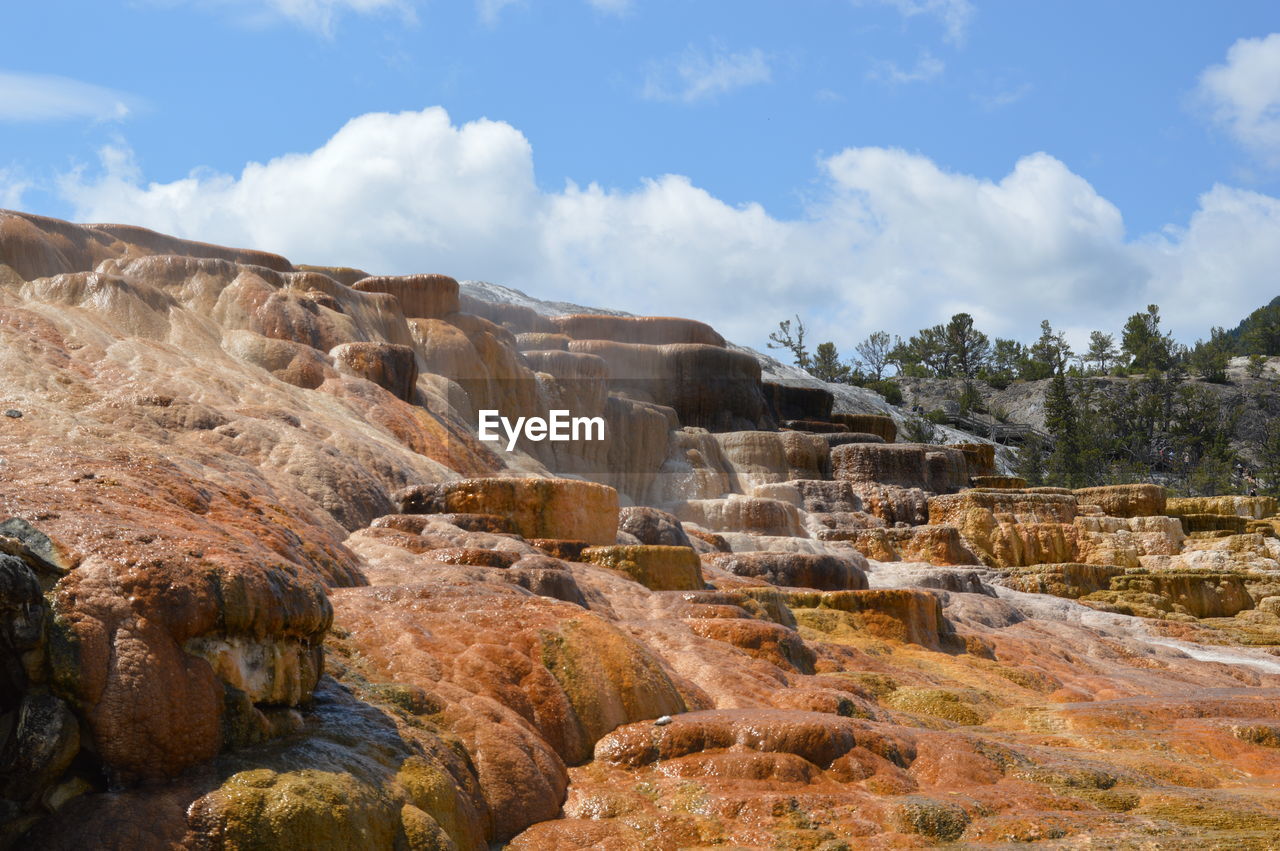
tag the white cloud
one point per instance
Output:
(45, 97)
(12, 187)
(1243, 95)
(927, 67)
(893, 241)
(1221, 265)
(696, 75)
(954, 15)
(417, 190)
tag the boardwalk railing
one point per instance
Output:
(1004, 433)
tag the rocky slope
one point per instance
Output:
(262, 586)
(1023, 401)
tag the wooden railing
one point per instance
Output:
(1004, 433)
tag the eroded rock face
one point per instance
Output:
(216, 631)
(798, 570)
(568, 673)
(980, 459)
(707, 386)
(798, 402)
(941, 545)
(1257, 507)
(998, 482)
(814, 737)
(1062, 580)
(647, 330)
(825, 496)
(1125, 500)
(536, 508)
(882, 464)
(881, 426)
(658, 568)
(1011, 528)
(736, 513)
(901, 614)
(391, 367)
(947, 469)
(420, 296)
(651, 526)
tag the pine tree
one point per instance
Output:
(1142, 341)
(1047, 355)
(1269, 456)
(1102, 350)
(827, 366)
(792, 341)
(968, 348)
(1030, 463)
(875, 353)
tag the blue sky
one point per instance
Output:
(875, 164)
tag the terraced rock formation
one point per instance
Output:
(263, 586)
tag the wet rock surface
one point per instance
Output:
(261, 586)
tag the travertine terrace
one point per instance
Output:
(261, 586)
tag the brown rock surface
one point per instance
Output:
(737, 513)
(980, 459)
(799, 570)
(881, 426)
(998, 482)
(1125, 500)
(707, 386)
(1011, 528)
(900, 614)
(932, 544)
(389, 366)
(658, 568)
(536, 508)
(789, 401)
(882, 464)
(200, 494)
(649, 330)
(651, 526)
(420, 296)
(1255, 508)
(843, 438)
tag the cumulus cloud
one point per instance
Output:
(927, 67)
(1222, 264)
(403, 191)
(1243, 95)
(891, 241)
(46, 97)
(954, 15)
(698, 75)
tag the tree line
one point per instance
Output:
(958, 349)
(1160, 427)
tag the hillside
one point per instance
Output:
(1024, 401)
(264, 583)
